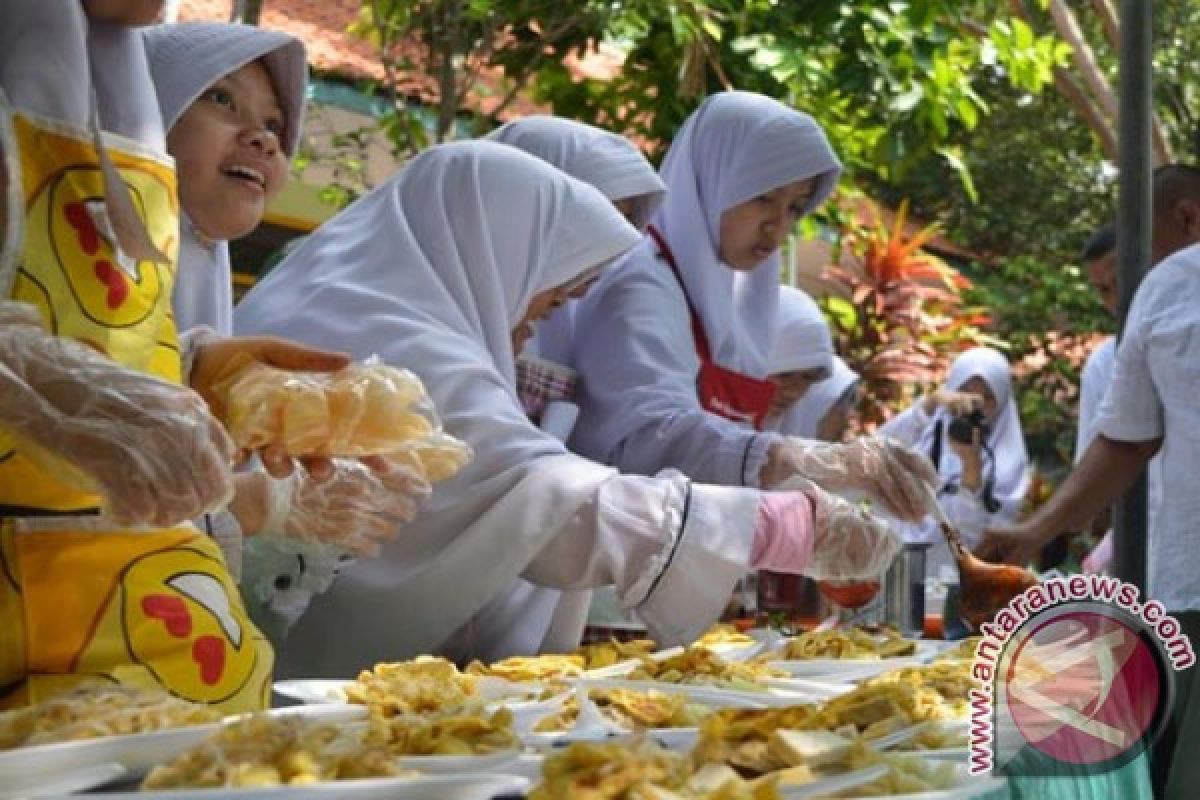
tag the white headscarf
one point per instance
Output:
(432, 271)
(735, 147)
(806, 413)
(802, 338)
(185, 59)
(605, 160)
(1005, 439)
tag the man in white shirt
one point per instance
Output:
(1150, 407)
(1099, 259)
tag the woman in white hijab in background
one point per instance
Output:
(802, 356)
(824, 411)
(673, 345)
(595, 156)
(440, 270)
(980, 485)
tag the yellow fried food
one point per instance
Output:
(723, 635)
(742, 738)
(963, 651)
(99, 709)
(449, 735)
(632, 709)
(697, 665)
(262, 751)
(605, 654)
(364, 409)
(847, 643)
(412, 687)
(640, 771)
(530, 668)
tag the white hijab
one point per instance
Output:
(432, 271)
(605, 160)
(735, 147)
(802, 338)
(806, 413)
(185, 59)
(597, 157)
(1006, 439)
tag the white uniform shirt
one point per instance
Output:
(1154, 393)
(430, 272)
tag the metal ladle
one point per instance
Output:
(984, 588)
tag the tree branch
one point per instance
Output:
(1086, 108)
(1093, 76)
(1108, 20)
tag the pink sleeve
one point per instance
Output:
(783, 536)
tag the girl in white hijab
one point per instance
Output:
(824, 410)
(545, 380)
(673, 345)
(232, 97)
(186, 61)
(981, 484)
(441, 269)
(598, 157)
(802, 357)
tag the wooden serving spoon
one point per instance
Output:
(984, 588)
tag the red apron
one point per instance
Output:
(721, 391)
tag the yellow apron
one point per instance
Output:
(76, 600)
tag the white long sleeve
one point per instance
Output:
(638, 366)
(674, 550)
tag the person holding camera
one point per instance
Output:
(970, 430)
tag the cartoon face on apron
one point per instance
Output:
(721, 391)
(78, 599)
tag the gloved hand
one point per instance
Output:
(849, 543)
(357, 509)
(880, 467)
(812, 532)
(148, 447)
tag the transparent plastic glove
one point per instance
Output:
(877, 466)
(783, 535)
(848, 542)
(149, 448)
(355, 510)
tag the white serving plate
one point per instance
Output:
(29, 770)
(455, 765)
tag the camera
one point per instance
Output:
(962, 428)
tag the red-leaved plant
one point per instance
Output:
(896, 311)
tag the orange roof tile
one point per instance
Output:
(322, 25)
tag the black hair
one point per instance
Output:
(1174, 183)
(1100, 243)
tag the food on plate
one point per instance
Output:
(697, 665)
(631, 709)
(723, 635)
(448, 735)
(364, 409)
(898, 699)
(605, 654)
(531, 668)
(741, 738)
(412, 687)
(847, 643)
(261, 751)
(642, 771)
(907, 773)
(92, 710)
(963, 651)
